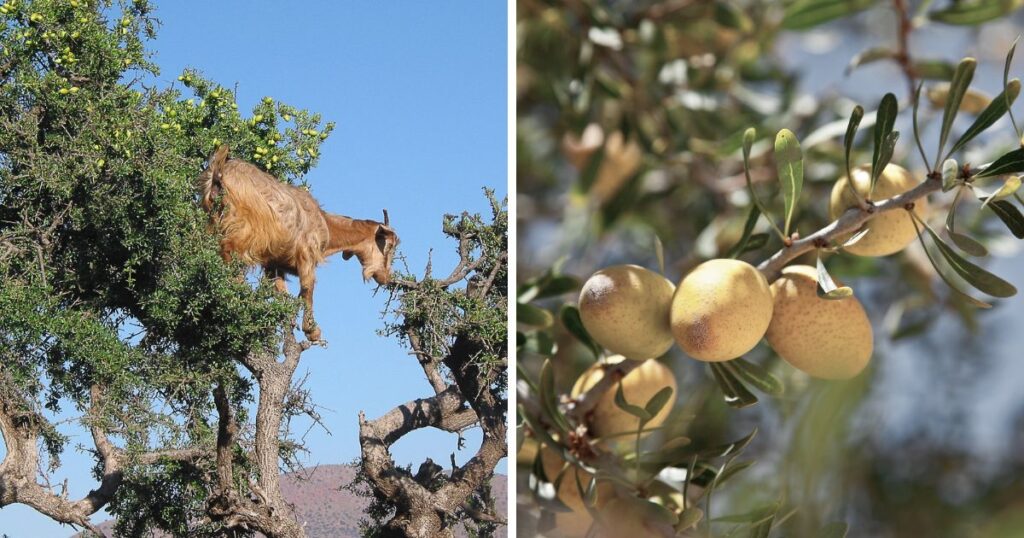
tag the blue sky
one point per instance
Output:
(418, 91)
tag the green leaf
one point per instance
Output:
(635, 410)
(827, 288)
(1010, 215)
(965, 242)
(973, 12)
(957, 89)
(756, 241)
(981, 279)
(805, 14)
(942, 272)
(933, 69)
(549, 398)
(836, 529)
(756, 375)
(532, 316)
(1010, 163)
(1006, 78)
(570, 317)
(748, 227)
(730, 471)
(790, 163)
(689, 518)
(990, 115)
(851, 133)
(659, 252)
(870, 55)
(736, 395)
(885, 118)
(1010, 186)
(917, 130)
(968, 244)
(658, 401)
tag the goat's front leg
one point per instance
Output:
(307, 279)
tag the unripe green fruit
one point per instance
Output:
(638, 387)
(625, 309)
(721, 310)
(888, 232)
(829, 339)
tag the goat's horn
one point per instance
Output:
(386, 221)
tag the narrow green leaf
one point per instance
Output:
(635, 410)
(1010, 186)
(756, 241)
(968, 244)
(542, 433)
(756, 375)
(790, 164)
(549, 398)
(885, 155)
(1006, 78)
(851, 133)
(570, 317)
(885, 118)
(957, 89)
(974, 12)
(659, 252)
(933, 69)
(1010, 215)
(981, 279)
(532, 316)
(805, 14)
(748, 228)
(689, 518)
(658, 401)
(870, 55)
(990, 115)
(1010, 163)
(942, 272)
(827, 288)
(732, 470)
(736, 395)
(917, 130)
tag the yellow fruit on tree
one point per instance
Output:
(829, 339)
(638, 387)
(721, 310)
(577, 522)
(888, 232)
(625, 309)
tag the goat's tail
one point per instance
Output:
(210, 184)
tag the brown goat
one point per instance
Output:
(282, 228)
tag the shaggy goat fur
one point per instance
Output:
(283, 229)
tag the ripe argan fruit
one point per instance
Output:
(829, 339)
(721, 310)
(625, 309)
(577, 522)
(889, 232)
(638, 387)
(630, 516)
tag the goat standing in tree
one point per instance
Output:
(282, 228)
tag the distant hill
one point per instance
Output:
(331, 512)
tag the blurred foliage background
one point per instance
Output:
(630, 123)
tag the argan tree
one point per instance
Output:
(670, 139)
(116, 309)
(455, 326)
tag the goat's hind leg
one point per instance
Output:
(307, 279)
